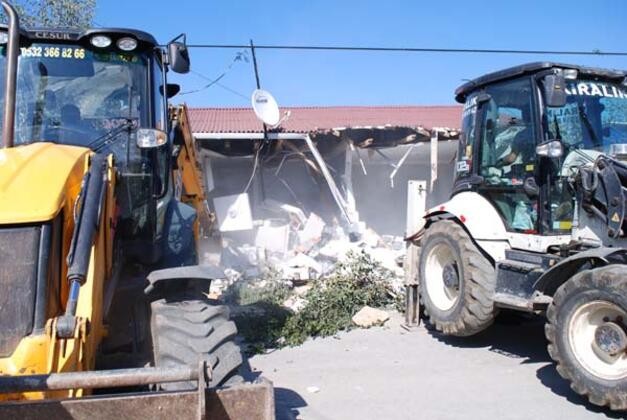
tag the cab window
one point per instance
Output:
(467, 137)
(160, 102)
(507, 152)
(507, 136)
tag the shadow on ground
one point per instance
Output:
(513, 335)
(552, 380)
(522, 337)
(287, 401)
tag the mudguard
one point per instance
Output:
(552, 279)
(475, 213)
(194, 272)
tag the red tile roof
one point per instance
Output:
(309, 119)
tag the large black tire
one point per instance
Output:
(472, 310)
(601, 289)
(187, 331)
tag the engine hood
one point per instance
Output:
(36, 179)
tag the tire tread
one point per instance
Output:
(479, 311)
(187, 331)
(610, 277)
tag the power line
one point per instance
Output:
(596, 52)
(240, 56)
(233, 91)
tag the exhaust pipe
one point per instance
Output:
(13, 45)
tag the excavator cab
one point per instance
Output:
(525, 133)
(106, 90)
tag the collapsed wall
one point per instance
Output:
(299, 203)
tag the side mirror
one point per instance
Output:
(178, 57)
(550, 149)
(171, 90)
(149, 138)
(483, 98)
(554, 90)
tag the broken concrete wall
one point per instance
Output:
(284, 174)
(276, 208)
(383, 205)
(286, 204)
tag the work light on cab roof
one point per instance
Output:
(100, 41)
(127, 44)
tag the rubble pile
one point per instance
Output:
(301, 248)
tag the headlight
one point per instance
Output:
(148, 138)
(100, 41)
(127, 44)
(619, 151)
(570, 74)
(550, 149)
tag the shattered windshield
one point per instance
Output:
(71, 95)
(594, 117)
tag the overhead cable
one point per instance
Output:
(410, 49)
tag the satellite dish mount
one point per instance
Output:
(263, 103)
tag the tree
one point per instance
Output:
(77, 14)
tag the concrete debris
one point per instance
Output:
(231, 276)
(273, 238)
(311, 233)
(297, 216)
(336, 249)
(371, 238)
(301, 267)
(305, 252)
(301, 290)
(387, 258)
(295, 303)
(233, 212)
(368, 317)
(394, 242)
(218, 286)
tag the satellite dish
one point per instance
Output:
(265, 107)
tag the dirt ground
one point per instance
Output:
(390, 373)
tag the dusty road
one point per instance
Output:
(389, 373)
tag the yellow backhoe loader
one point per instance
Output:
(103, 311)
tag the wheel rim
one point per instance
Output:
(582, 331)
(439, 262)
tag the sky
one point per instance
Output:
(318, 78)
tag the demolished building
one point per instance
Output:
(325, 181)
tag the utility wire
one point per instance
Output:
(233, 91)
(409, 49)
(240, 56)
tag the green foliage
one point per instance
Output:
(261, 325)
(77, 14)
(260, 316)
(331, 303)
(270, 288)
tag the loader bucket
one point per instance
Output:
(247, 401)
(250, 401)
